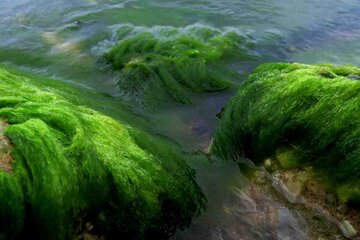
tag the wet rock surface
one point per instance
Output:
(5, 149)
(353, 76)
(329, 217)
(259, 216)
(278, 204)
(246, 209)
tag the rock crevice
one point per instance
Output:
(6, 159)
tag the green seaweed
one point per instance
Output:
(85, 96)
(170, 65)
(312, 111)
(73, 165)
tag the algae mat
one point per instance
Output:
(170, 65)
(72, 165)
(310, 111)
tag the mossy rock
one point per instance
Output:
(287, 158)
(71, 165)
(310, 110)
(170, 65)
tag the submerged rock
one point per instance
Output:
(310, 111)
(165, 64)
(72, 165)
(291, 184)
(353, 76)
(347, 229)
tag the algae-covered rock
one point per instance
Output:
(165, 64)
(311, 111)
(73, 165)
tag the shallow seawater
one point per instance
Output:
(62, 39)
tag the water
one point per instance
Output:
(59, 38)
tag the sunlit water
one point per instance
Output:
(60, 38)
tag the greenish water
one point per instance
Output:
(63, 39)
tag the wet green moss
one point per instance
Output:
(170, 65)
(72, 164)
(312, 111)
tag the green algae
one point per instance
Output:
(312, 111)
(287, 158)
(72, 164)
(85, 96)
(165, 64)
